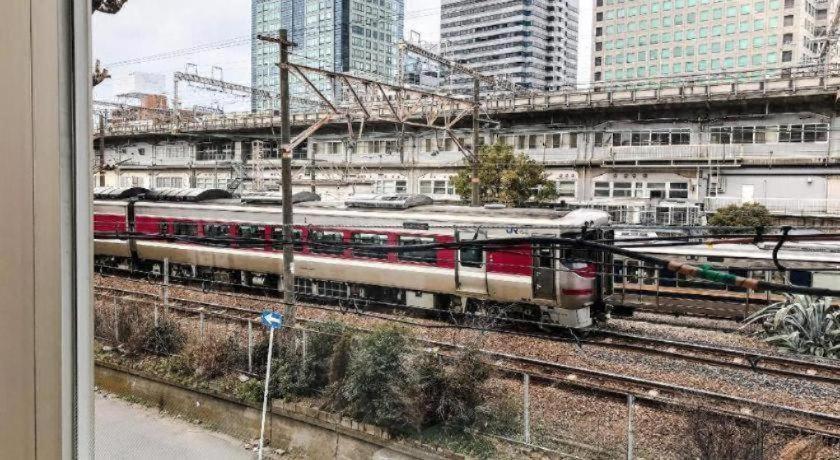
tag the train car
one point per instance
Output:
(549, 284)
(813, 264)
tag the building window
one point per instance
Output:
(738, 135)
(436, 187)
(390, 187)
(805, 133)
(622, 189)
(566, 188)
(131, 181)
(678, 190)
(602, 189)
(169, 182)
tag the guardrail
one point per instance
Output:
(784, 206)
(684, 92)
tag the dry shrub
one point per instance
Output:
(373, 389)
(448, 394)
(718, 436)
(213, 355)
(126, 326)
(804, 449)
(166, 338)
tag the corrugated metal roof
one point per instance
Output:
(118, 193)
(192, 195)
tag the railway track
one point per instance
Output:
(810, 370)
(612, 384)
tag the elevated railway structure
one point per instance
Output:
(646, 153)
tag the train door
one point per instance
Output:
(544, 285)
(471, 266)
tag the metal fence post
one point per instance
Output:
(250, 347)
(657, 286)
(116, 321)
(201, 324)
(304, 340)
(526, 405)
(623, 281)
(166, 285)
(631, 409)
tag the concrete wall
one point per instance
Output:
(306, 431)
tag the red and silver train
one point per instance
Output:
(548, 284)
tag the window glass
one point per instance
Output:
(369, 239)
(297, 238)
(602, 189)
(471, 257)
(252, 232)
(428, 256)
(622, 189)
(567, 188)
(678, 190)
(325, 242)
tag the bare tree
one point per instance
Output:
(100, 74)
(108, 6)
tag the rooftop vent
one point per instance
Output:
(277, 198)
(387, 201)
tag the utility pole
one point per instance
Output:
(312, 173)
(476, 182)
(102, 150)
(286, 177)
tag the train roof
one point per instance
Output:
(332, 213)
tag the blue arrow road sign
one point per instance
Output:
(272, 319)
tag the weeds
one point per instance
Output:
(718, 437)
(212, 356)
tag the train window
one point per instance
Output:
(249, 232)
(185, 229)
(216, 231)
(370, 239)
(428, 256)
(472, 256)
(326, 242)
(163, 228)
(801, 278)
(714, 259)
(297, 238)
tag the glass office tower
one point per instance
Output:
(354, 36)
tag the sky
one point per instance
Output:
(210, 33)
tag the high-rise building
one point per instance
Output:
(532, 43)
(354, 36)
(670, 39)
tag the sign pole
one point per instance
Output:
(271, 320)
(265, 392)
